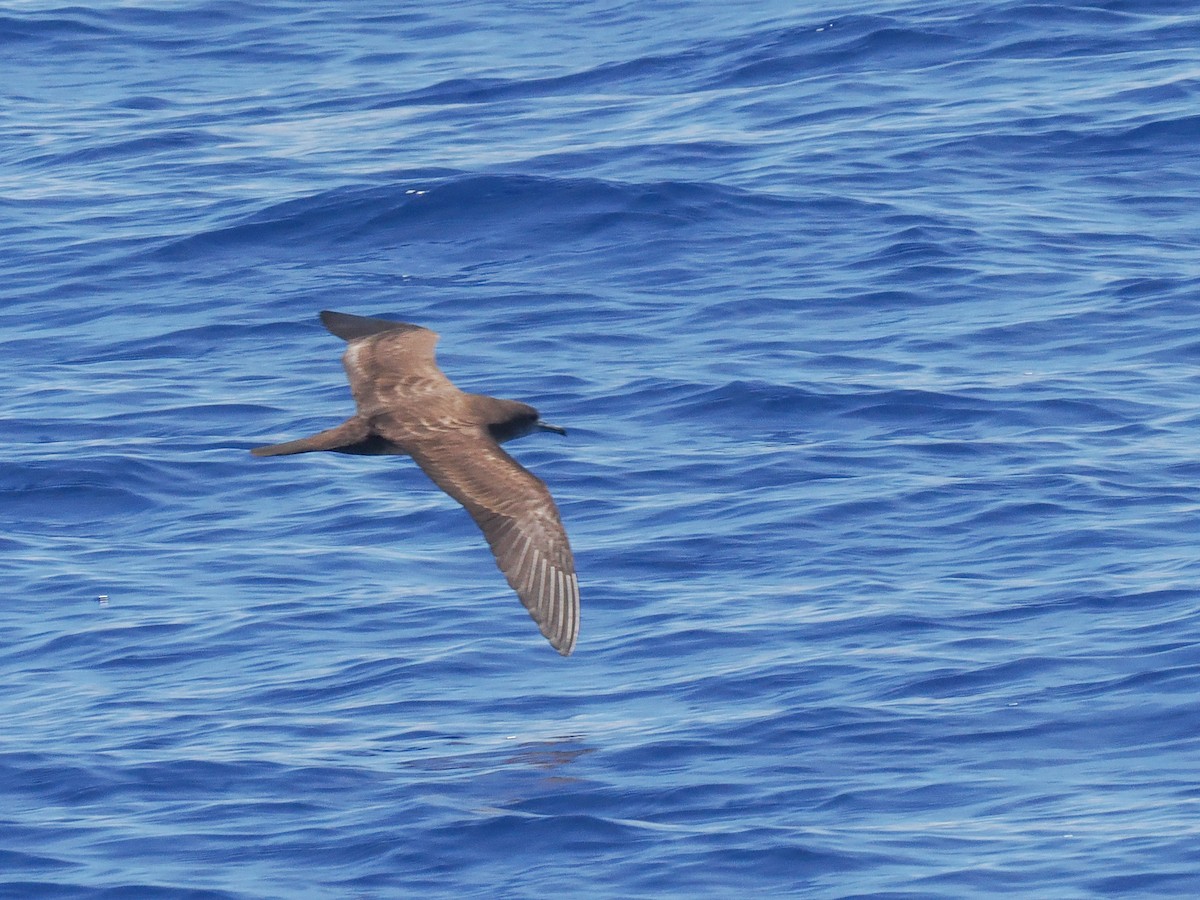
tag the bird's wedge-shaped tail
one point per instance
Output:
(351, 433)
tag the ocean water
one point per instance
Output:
(876, 330)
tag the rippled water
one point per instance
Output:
(876, 333)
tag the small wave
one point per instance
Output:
(441, 209)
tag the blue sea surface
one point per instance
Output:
(876, 330)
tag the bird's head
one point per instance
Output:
(510, 419)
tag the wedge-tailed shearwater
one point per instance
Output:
(407, 406)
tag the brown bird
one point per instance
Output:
(407, 406)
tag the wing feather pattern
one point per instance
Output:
(517, 515)
(387, 362)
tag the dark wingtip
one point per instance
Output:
(351, 328)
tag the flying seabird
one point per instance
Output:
(407, 406)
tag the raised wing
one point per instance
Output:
(387, 363)
(518, 517)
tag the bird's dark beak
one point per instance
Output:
(546, 426)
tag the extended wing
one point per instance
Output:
(518, 517)
(387, 363)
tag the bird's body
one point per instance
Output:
(406, 405)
